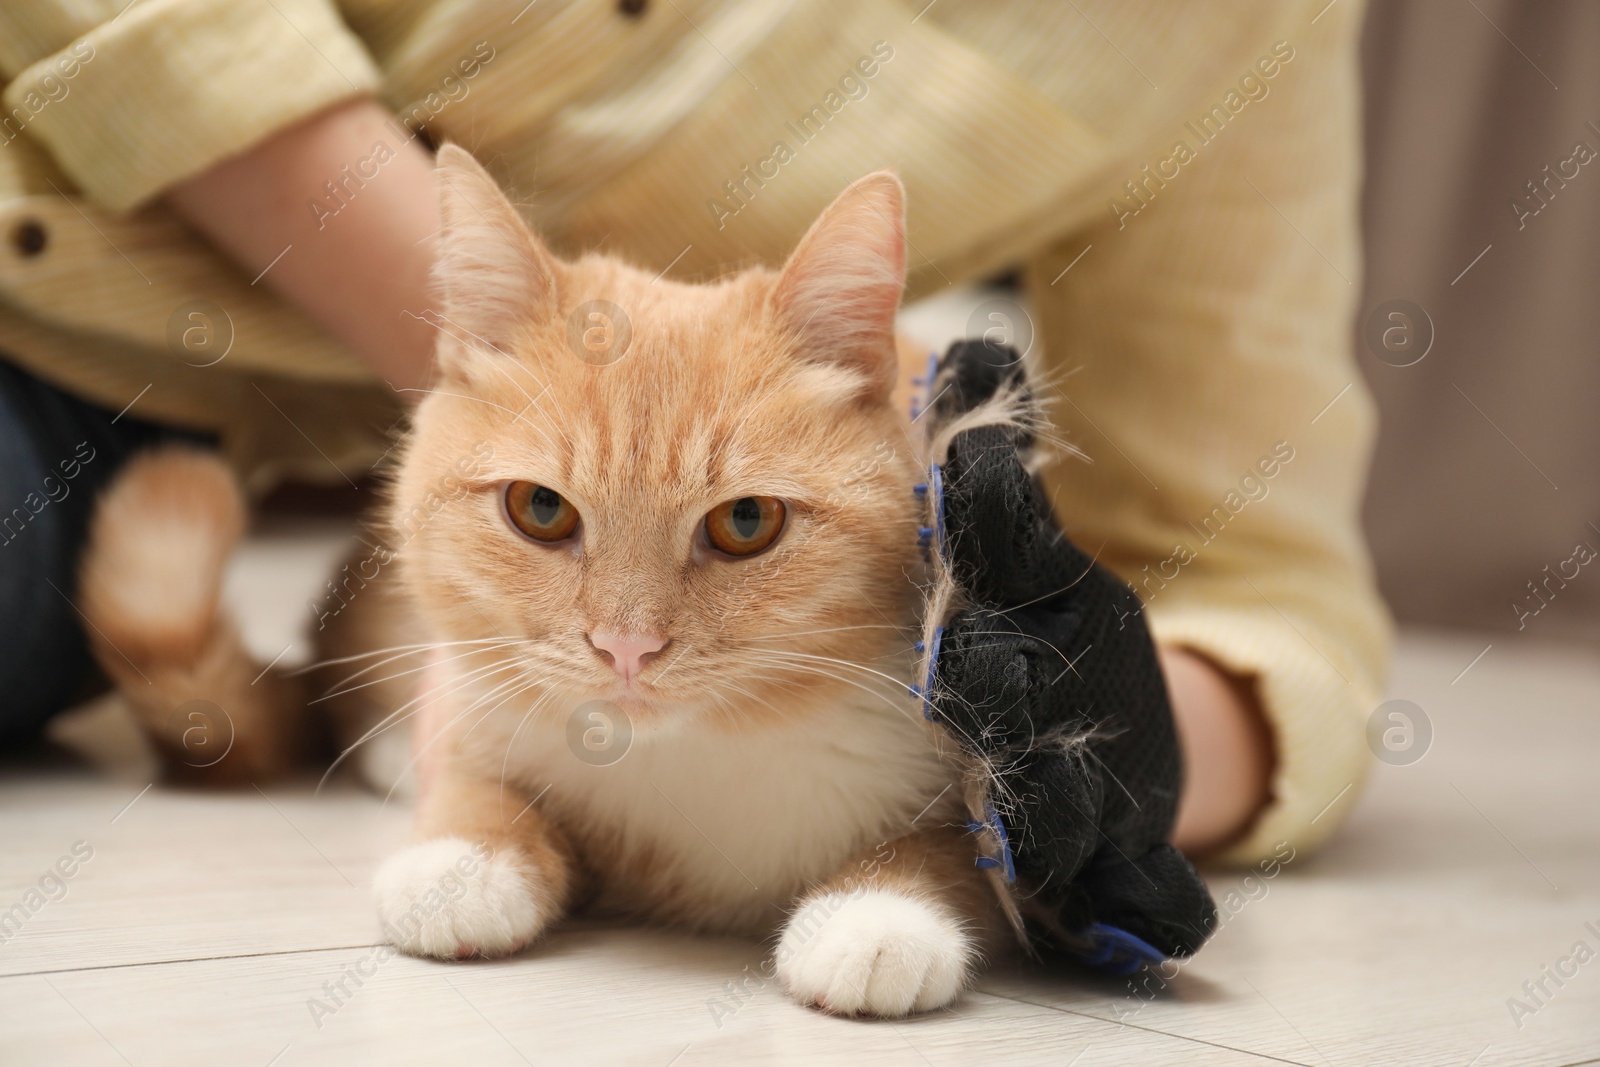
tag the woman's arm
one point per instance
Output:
(356, 270)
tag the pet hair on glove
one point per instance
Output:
(1038, 664)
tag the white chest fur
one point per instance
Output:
(721, 829)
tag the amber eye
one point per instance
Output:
(543, 514)
(745, 526)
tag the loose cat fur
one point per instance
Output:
(780, 777)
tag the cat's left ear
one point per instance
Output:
(492, 275)
(840, 289)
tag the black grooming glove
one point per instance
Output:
(1050, 675)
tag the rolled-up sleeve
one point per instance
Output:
(131, 103)
(1203, 351)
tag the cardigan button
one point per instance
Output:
(632, 8)
(29, 238)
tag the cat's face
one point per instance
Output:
(715, 521)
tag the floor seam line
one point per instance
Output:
(191, 959)
(1153, 1030)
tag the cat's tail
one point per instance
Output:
(150, 590)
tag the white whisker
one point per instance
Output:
(444, 730)
(401, 713)
(412, 670)
(425, 646)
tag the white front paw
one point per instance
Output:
(452, 899)
(873, 952)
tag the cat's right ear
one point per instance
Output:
(492, 276)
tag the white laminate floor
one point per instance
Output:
(207, 928)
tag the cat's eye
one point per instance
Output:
(540, 512)
(745, 526)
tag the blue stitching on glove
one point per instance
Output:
(926, 400)
(992, 822)
(1112, 950)
(925, 690)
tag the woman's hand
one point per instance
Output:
(1227, 751)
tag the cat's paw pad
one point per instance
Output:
(451, 900)
(874, 952)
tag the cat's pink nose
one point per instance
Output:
(628, 653)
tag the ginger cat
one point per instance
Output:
(662, 563)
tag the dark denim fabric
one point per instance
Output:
(56, 453)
